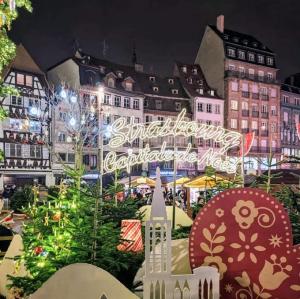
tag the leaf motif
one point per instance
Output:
(242, 236)
(259, 248)
(241, 256)
(295, 287)
(219, 239)
(253, 258)
(235, 245)
(265, 295)
(253, 237)
(218, 249)
(255, 288)
(205, 247)
(221, 229)
(246, 278)
(207, 234)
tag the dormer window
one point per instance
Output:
(200, 82)
(200, 91)
(184, 69)
(261, 59)
(195, 71)
(251, 57)
(171, 81)
(177, 106)
(119, 74)
(128, 86)
(174, 91)
(254, 44)
(152, 79)
(270, 61)
(155, 88)
(241, 54)
(111, 82)
(190, 80)
(231, 52)
(102, 69)
(212, 92)
(225, 36)
(235, 39)
(245, 42)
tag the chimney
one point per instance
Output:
(139, 67)
(220, 23)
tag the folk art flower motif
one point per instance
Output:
(217, 262)
(274, 273)
(220, 213)
(247, 247)
(245, 213)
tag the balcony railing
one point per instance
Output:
(245, 112)
(264, 133)
(255, 114)
(245, 130)
(255, 96)
(257, 149)
(264, 97)
(264, 114)
(242, 75)
(256, 131)
(246, 94)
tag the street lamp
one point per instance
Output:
(129, 151)
(100, 147)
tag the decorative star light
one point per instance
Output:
(275, 240)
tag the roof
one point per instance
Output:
(293, 80)
(193, 80)
(290, 88)
(241, 40)
(94, 70)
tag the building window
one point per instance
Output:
(61, 137)
(117, 101)
(242, 71)
(195, 71)
(209, 108)
(13, 150)
(136, 104)
(261, 59)
(234, 105)
(16, 101)
(128, 86)
(273, 110)
(264, 109)
(233, 123)
(200, 91)
(152, 79)
(231, 67)
(285, 99)
(208, 122)
(20, 79)
(184, 69)
(244, 124)
(35, 151)
(29, 81)
(171, 81)
(86, 160)
(212, 93)
(251, 73)
(217, 109)
(269, 76)
(127, 103)
(62, 116)
(106, 99)
(241, 54)
(148, 118)
(119, 74)
(71, 157)
(35, 126)
(136, 143)
(174, 91)
(251, 57)
(260, 75)
(106, 119)
(254, 125)
(200, 107)
(245, 106)
(146, 103)
(158, 104)
(155, 89)
(161, 119)
(234, 86)
(178, 106)
(270, 61)
(297, 101)
(63, 156)
(111, 82)
(231, 52)
(137, 120)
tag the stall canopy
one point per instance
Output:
(138, 181)
(204, 181)
(179, 182)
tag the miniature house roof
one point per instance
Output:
(158, 208)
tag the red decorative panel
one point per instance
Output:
(246, 234)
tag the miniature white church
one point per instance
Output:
(159, 283)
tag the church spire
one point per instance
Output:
(158, 208)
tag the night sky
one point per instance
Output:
(162, 30)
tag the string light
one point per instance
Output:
(72, 122)
(63, 94)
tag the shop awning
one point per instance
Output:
(179, 181)
(204, 181)
(138, 181)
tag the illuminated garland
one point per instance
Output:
(123, 132)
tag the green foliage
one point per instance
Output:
(53, 192)
(289, 197)
(62, 231)
(182, 232)
(21, 198)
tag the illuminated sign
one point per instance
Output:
(125, 133)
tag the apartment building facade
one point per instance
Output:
(243, 71)
(25, 135)
(290, 117)
(207, 107)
